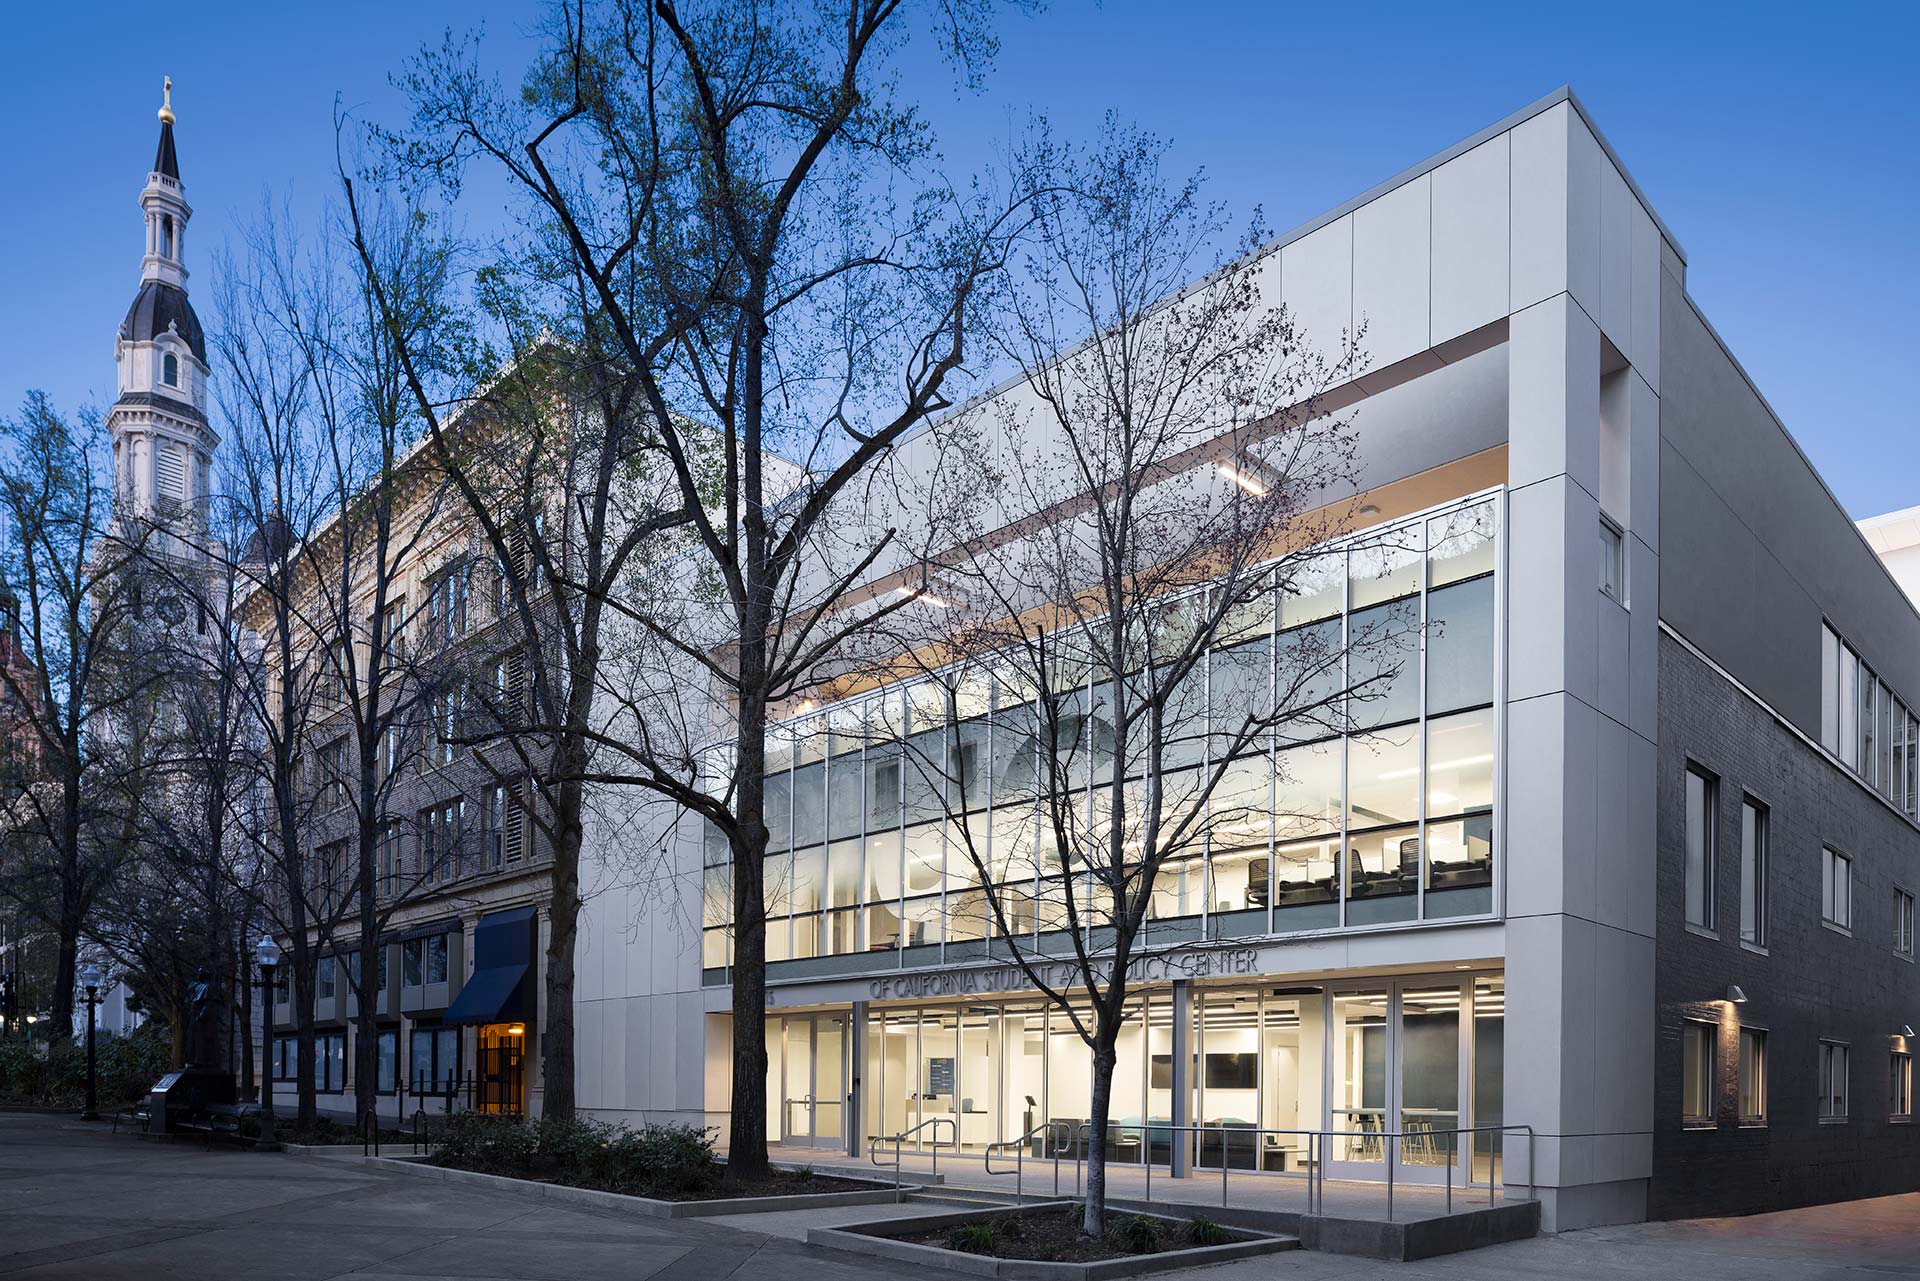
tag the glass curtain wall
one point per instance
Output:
(884, 818)
(1268, 1067)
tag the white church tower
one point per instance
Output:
(162, 442)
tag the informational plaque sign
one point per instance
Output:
(939, 1076)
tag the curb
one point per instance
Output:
(876, 1240)
(633, 1204)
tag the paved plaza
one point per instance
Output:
(78, 1202)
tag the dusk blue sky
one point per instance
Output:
(1777, 142)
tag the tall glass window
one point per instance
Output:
(1697, 1073)
(1701, 795)
(899, 818)
(1753, 873)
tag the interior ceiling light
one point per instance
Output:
(1244, 478)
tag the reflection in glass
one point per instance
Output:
(1360, 1076)
(1429, 1073)
(1460, 544)
(1489, 1073)
(1460, 645)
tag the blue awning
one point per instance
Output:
(499, 989)
(496, 994)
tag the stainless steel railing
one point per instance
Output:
(1019, 1146)
(899, 1141)
(1319, 1145)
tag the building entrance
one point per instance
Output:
(1391, 1070)
(812, 1069)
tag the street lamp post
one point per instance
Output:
(91, 978)
(266, 955)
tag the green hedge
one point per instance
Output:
(655, 1160)
(125, 1067)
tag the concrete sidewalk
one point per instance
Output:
(77, 1202)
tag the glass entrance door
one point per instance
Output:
(1429, 1107)
(814, 1096)
(1399, 1081)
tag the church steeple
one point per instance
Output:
(162, 444)
(165, 207)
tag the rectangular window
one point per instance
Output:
(1900, 1106)
(1613, 560)
(1829, 690)
(387, 1060)
(396, 630)
(392, 857)
(1702, 793)
(1753, 873)
(437, 959)
(1696, 1073)
(1836, 889)
(323, 978)
(433, 1064)
(412, 965)
(1833, 1081)
(1903, 923)
(330, 1062)
(1753, 1076)
(496, 825)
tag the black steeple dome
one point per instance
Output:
(165, 162)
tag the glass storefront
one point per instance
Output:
(890, 825)
(1392, 1069)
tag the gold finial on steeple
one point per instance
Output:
(166, 103)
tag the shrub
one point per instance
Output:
(1137, 1234)
(1206, 1232)
(654, 1160)
(975, 1238)
(125, 1067)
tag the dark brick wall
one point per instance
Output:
(1812, 982)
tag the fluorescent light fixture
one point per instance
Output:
(1245, 479)
(1734, 995)
(925, 597)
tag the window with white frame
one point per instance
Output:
(1613, 560)
(1696, 1073)
(1900, 1105)
(1753, 872)
(1702, 793)
(1753, 1076)
(1836, 888)
(1833, 1081)
(1903, 922)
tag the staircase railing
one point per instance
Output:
(899, 1141)
(1020, 1145)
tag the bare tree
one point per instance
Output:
(275, 485)
(349, 623)
(78, 693)
(720, 177)
(1160, 485)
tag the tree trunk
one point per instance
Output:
(556, 1048)
(305, 1088)
(747, 1118)
(1093, 1219)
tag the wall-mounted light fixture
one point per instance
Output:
(1734, 995)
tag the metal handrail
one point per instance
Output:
(899, 1141)
(1318, 1147)
(1019, 1146)
(1316, 1140)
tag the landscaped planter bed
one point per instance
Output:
(1041, 1243)
(752, 1199)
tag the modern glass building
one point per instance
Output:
(1589, 861)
